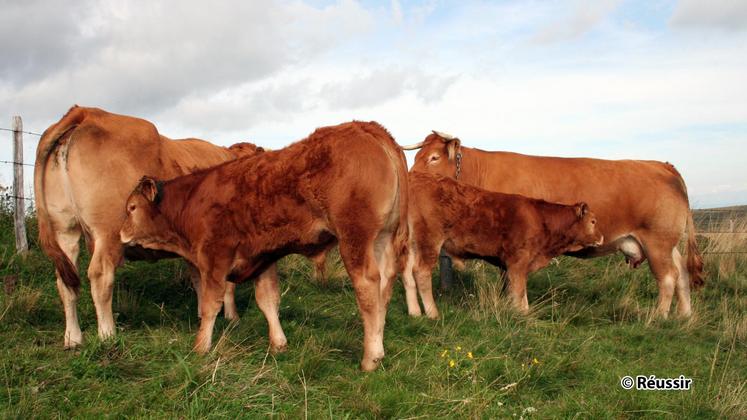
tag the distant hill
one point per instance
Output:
(717, 219)
(737, 209)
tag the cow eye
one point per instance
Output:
(593, 221)
(131, 208)
(434, 158)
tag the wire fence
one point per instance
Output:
(17, 163)
(20, 131)
(9, 196)
(699, 211)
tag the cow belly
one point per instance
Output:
(627, 244)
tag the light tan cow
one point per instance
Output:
(86, 166)
(641, 205)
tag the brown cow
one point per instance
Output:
(519, 234)
(345, 183)
(642, 206)
(86, 166)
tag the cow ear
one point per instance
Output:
(581, 209)
(452, 147)
(148, 187)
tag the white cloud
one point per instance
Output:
(382, 85)
(721, 14)
(143, 58)
(397, 14)
(584, 16)
(272, 71)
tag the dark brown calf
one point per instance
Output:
(346, 183)
(516, 233)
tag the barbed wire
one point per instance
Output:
(718, 232)
(17, 163)
(718, 210)
(20, 131)
(18, 196)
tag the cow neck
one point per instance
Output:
(560, 220)
(174, 201)
(468, 166)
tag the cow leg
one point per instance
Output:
(106, 255)
(411, 291)
(212, 292)
(665, 271)
(364, 273)
(682, 286)
(69, 243)
(427, 255)
(194, 276)
(267, 294)
(386, 259)
(517, 287)
(229, 300)
(425, 288)
(320, 266)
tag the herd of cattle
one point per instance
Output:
(232, 213)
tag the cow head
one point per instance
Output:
(245, 149)
(144, 224)
(584, 232)
(439, 154)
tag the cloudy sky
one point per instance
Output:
(613, 79)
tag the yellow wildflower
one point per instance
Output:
(452, 363)
(535, 361)
(458, 348)
(469, 355)
(444, 353)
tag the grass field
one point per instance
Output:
(590, 325)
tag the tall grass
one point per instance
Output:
(589, 325)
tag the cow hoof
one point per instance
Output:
(231, 316)
(685, 315)
(415, 314)
(73, 340)
(106, 334)
(370, 365)
(72, 345)
(684, 311)
(280, 348)
(432, 314)
(661, 315)
(201, 348)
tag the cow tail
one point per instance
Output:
(694, 258)
(47, 239)
(402, 236)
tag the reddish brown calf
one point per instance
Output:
(346, 183)
(516, 233)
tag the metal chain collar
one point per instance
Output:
(458, 165)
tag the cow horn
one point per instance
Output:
(413, 146)
(444, 136)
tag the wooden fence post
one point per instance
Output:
(22, 245)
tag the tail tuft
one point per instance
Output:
(65, 268)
